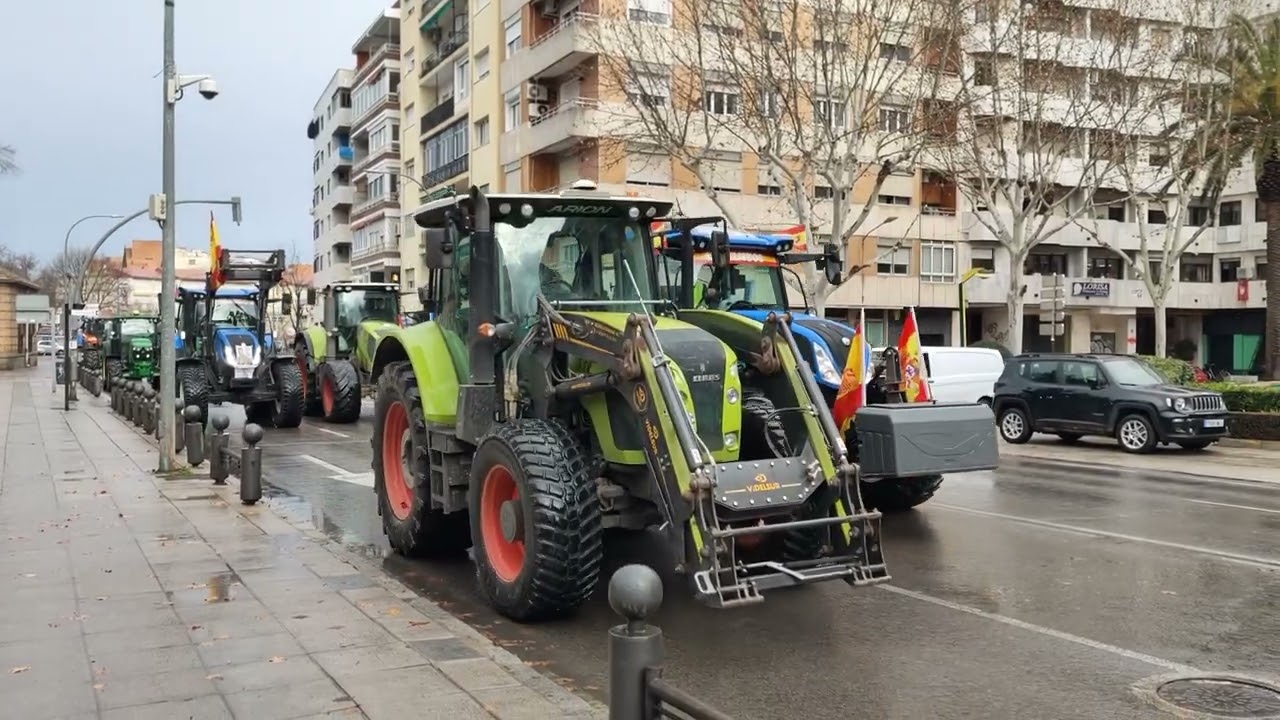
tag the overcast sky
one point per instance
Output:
(81, 101)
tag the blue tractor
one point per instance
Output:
(709, 265)
(226, 352)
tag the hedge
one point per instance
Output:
(1254, 426)
(1177, 372)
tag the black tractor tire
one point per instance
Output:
(193, 388)
(287, 410)
(260, 413)
(310, 390)
(113, 372)
(413, 527)
(764, 437)
(537, 475)
(895, 495)
(339, 383)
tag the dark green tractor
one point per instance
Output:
(130, 350)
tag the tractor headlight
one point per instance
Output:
(732, 396)
(826, 365)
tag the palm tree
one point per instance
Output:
(1251, 113)
(8, 161)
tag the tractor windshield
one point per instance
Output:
(754, 281)
(358, 305)
(239, 312)
(574, 259)
(135, 327)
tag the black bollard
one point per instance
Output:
(139, 404)
(218, 444)
(251, 464)
(131, 403)
(148, 409)
(193, 430)
(179, 428)
(635, 593)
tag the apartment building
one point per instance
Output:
(333, 192)
(375, 142)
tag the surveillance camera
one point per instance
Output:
(208, 88)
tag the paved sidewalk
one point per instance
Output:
(1220, 461)
(128, 596)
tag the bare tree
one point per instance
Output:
(23, 265)
(1050, 102)
(8, 160)
(100, 280)
(827, 95)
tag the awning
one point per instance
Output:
(433, 19)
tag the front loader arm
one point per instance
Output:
(777, 328)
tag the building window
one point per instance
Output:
(890, 51)
(775, 190)
(1229, 213)
(1105, 268)
(511, 114)
(938, 262)
(724, 171)
(1229, 270)
(1260, 269)
(1157, 216)
(482, 64)
(895, 119)
(1197, 216)
(409, 111)
(408, 60)
(447, 147)
(1191, 271)
(648, 169)
(409, 167)
(1045, 264)
(833, 114)
(823, 192)
(770, 103)
(511, 177)
(891, 261)
(657, 12)
(901, 200)
(983, 259)
(651, 89)
(511, 35)
(482, 132)
(462, 78)
(721, 101)
(984, 73)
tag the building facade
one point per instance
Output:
(332, 193)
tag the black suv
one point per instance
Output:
(1108, 395)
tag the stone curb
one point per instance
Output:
(1247, 443)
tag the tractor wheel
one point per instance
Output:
(287, 410)
(402, 472)
(895, 495)
(193, 388)
(310, 393)
(764, 437)
(259, 413)
(535, 520)
(339, 391)
(114, 370)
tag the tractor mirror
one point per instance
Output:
(311, 296)
(720, 248)
(438, 249)
(833, 265)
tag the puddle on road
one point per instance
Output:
(303, 513)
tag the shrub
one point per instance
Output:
(1177, 372)
(1254, 426)
(1247, 398)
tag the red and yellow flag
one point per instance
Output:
(215, 255)
(915, 378)
(852, 394)
(801, 235)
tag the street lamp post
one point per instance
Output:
(969, 274)
(70, 297)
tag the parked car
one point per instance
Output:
(963, 374)
(1117, 396)
(44, 345)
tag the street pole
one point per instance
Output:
(168, 251)
(69, 299)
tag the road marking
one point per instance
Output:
(1237, 507)
(1252, 560)
(327, 430)
(361, 479)
(326, 465)
(1042, 630)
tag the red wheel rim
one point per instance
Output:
(302, 368)
(396, 446)
(326, 394)
(506, 557)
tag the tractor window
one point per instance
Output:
(137, 326)
(749, 284)
(357, 305)
(574, 259)
(235, 312)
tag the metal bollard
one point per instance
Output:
(138, 404)
(130, 402)
(218, 444)
(148, 409)
(193, 430)
(251, 464)
(124, 400)
(635, 593)
(179, 427)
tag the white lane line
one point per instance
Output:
(361, 479)
(1042, 630)
(1252, 560)
(330, 432)
(1237, 507)
(326, 465)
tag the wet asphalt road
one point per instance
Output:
(1038, 591)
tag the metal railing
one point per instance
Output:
(449, 44)
(451, 169)
(637, 690)
(436, 115)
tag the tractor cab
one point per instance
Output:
(347, 305)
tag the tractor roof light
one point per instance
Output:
(633, 213)
(526, 211)
(504, 208)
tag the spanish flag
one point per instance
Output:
(853, 385)
(801, 235)
(915, 378)
(215, 255)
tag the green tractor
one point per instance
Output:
(553, 394)
(336, 357)
(130, 350)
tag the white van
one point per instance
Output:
(962, 374)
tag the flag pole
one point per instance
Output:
(862, 381)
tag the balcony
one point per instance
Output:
(341, 196)
(555, 53)
(386, 247)
(558, 130)
(449, 44)
(346, 154)
(390, 101)
(365, 205)
(884, 291)
(446, 172)
(435, 116)
(341, 119)
(390, 150)
(384, 53)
